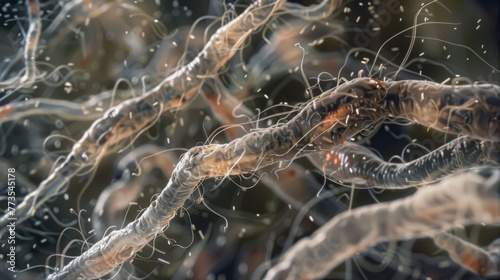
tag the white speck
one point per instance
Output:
(68, 87)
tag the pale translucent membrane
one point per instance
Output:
(463, 199)
(135, 115)
(307, 132)
(270, 83)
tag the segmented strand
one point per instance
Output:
(459, 200)
(30, 47)
(323, 123)
(468, 255)
(354, 163)
(134, 115)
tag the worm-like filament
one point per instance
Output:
(30, 47)
(325, 122)
(131, 117)
(462, 199)
(354, 163)
(91, 109)
(134, 175)
(468, 255)
(247, 80)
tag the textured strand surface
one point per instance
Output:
(459, 200)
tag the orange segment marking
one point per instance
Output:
(472, 262)
(5, 110)
(334, 117)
